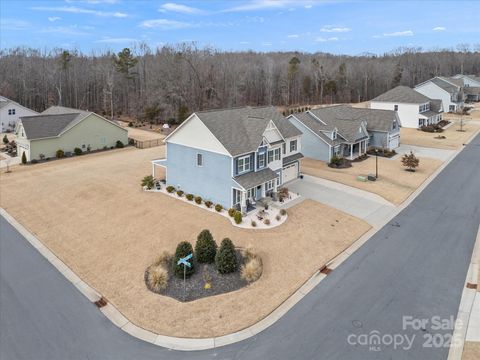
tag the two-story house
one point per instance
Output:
(345, 131)
(449, 91)
(10, 113)
(413, 108)
(232, 157)
(471, 86)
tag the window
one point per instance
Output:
(199, 159)
(270, 156)
(334, 135)
(395, 107)
(269, 185)
(284, 148)
(274, 155)
(11, 111)
(243, 164)
(236, 196)
(261, 161)
(293, 145)
(251, 193)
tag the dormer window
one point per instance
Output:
(334, 134)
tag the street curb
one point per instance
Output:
(190, 344)
(466, 304)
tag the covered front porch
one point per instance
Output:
(351, 151)
(254, 190)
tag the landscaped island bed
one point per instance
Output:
(395, 184)
(93, 214)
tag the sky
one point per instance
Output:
(334, 26)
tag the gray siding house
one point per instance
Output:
(345, 131)
(232, 157)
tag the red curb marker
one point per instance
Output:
(325, 270)
(471, 286)
(101, 303)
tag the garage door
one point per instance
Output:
(394, 142)
(290, 172)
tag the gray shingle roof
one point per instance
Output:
(436, 105)
(56, 110)
(445, 85)
(43, 126)
(289, 159)
(4, 103)
(377, 120)
(255, 178)
(402, 94)
(240, 130)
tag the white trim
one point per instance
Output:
(316, 117)
(313, 132)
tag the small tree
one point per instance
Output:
(410, 161)
(148, 181)
(183, 249)
(60, 153)
(226, 258)
(24, 158)
(119, 144)
(5, 139)
(205, 248)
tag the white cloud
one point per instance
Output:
(244, 42)
(321, 39)
(400, 33)
(335, 29)
(180, 8)
(110, 40)
(308, 6)
(267, 5)
(293, 36)
(77, 10)
(14, 24)
(53, 18)
(439, 28)
(266, 44)
(165, 24)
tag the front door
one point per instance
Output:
(259, 191)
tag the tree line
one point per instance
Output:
(168, 83)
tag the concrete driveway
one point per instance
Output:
(440, 154)
(362, 204)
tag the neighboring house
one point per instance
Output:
(345, 131)
(471, 86)
(232, 157)
(413, 108)
(449, 90)
(60, 128)
(10, 112)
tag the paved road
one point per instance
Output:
(416, 265)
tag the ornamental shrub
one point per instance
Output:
(183, 249)
(189, 197)
(231, 212)
(78, 151)
(60, 154)
(205, 248)
(208, 204)
(237, 217)
(148, 181)
(119, 144)
(180, 193)
(218, 208)
(226, 258)
(24, 158)
(170, 189)
(198, 199)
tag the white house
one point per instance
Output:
(413, 108)
(10, 112)
(449, 90)
(471, 86)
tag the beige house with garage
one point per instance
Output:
(60, 128)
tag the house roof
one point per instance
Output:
(4, 103)
(402, 94)
(56, 110)
(436, 105)
(289, 159)
(472, 90)
(255, 178)
(240, 130)
(454, 81)
(377, 120)
(44, 126)
(444, 84)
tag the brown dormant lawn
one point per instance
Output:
(394, 184)
(91, 212)
(454, 139)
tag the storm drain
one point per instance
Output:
(101, 303)
(325, 270)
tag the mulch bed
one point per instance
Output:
(343, 165)
(386, 154)
(360, 158)
(195, 284)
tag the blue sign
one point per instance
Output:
(184, 260)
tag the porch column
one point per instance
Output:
(243, 201)
(153, 170)
(351, 151)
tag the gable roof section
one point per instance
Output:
(402, 94)
(240, 130)
(45, 126)
(445, 85)
(5, 101)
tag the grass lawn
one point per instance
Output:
(395, 184)
(454, 139)
(92, 213)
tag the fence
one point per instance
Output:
(145, 144)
